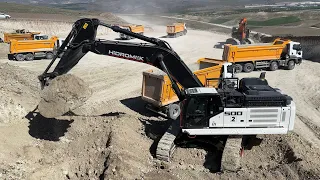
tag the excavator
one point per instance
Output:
(246, 107)
(241, 34)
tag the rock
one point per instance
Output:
(65, 172)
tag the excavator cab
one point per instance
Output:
(199, 106)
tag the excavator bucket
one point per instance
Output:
(65, 93)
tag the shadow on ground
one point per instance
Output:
(213, 145)
(50, 129)
(138, 105)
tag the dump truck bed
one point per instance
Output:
(137, 28)
(175, 28)
(156, 85)
(32, 45)
(254, 52)
(19, 37)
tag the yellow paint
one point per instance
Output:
(245, 53)
(19, 37)
(32, 45)
(85, 25)
(175, 28)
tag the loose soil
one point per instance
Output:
(113, 136)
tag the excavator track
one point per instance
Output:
(231, 154)
(166, 146)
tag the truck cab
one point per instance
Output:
(294, 51)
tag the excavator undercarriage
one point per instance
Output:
(250, 108)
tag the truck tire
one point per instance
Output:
(291, 65)
(238, 68)
(248, 67)
(29, 57)
(274, 66)
(19, 57)
(173, 111)
(49, 55)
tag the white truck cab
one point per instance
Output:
(294, 50)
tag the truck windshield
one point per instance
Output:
(297, 47)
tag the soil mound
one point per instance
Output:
(65, 93)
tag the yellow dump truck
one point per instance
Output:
(280, 53)
(21, 35)
(30, 49)
(159, 95)
(133, 28)
(177, 29)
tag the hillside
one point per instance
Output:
(146, 6)
(36, 12)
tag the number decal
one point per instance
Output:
(233, 118)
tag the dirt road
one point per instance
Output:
(120, 143)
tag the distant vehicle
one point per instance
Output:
(4, 16)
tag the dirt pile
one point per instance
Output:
(64, 94)
(19, 92)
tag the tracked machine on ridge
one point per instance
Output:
(236, 108)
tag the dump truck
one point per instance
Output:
(280, 53)
(177, 29)
(20, 35)
(30, 49)
(159, 95)
(133, 28)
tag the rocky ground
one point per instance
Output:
(114, 137)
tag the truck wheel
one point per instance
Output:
(238, 68)
(248, 67)
(173, 111)
(20, 57)
(29, 57)
(274, 66)
(49, 55)
(291, 65)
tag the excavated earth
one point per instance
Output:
(65, 93)
(113, 136)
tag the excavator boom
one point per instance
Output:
(156, 52)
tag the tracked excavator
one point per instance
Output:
(235, 110)
(241, 34)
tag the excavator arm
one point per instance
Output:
(156, 52)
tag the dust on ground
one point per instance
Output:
(117, 137)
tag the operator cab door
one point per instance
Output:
(199, 109)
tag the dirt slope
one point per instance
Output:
(120, 142)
